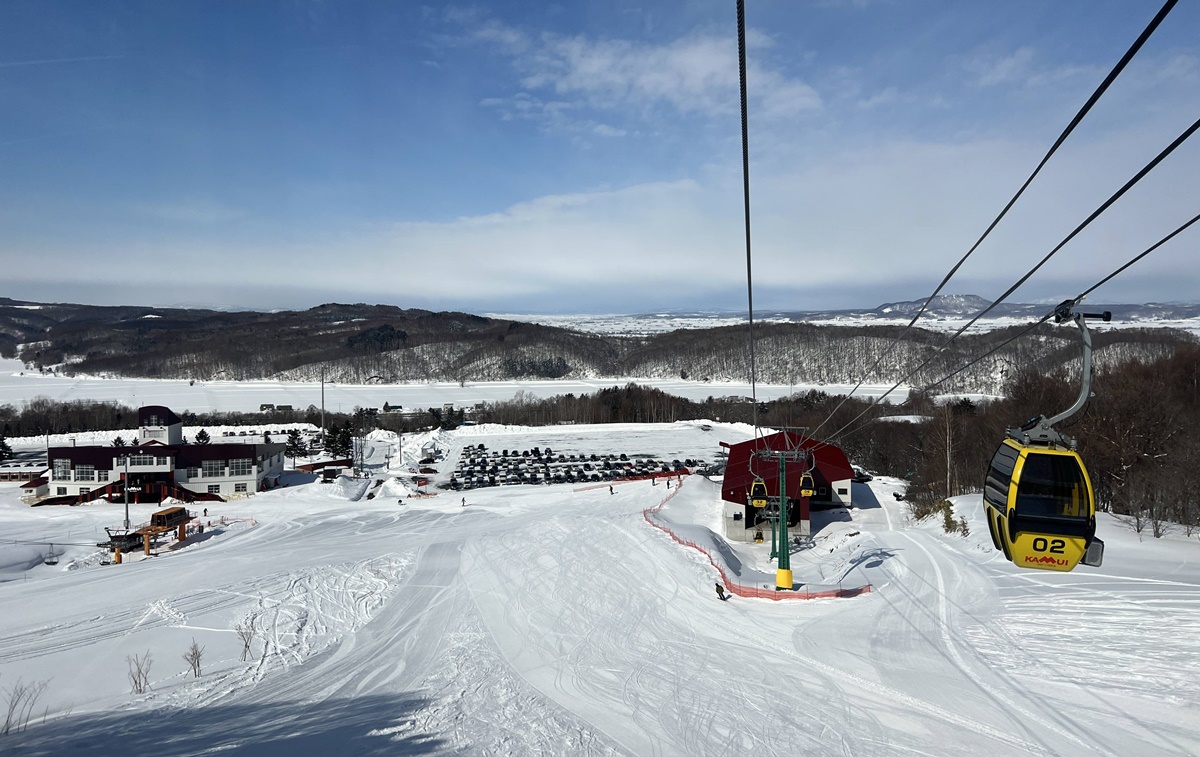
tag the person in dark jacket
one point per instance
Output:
(721, 592)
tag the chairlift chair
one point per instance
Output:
(758, 493)
(807, 487)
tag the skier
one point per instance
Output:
(464, 502)
(721, 592)
(610, 491)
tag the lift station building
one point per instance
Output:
(831, 472)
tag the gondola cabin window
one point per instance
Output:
(1052, 486)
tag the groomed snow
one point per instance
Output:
(555, 620)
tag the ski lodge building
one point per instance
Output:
(159, 465)
(831, 472)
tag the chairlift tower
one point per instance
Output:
(779, 537)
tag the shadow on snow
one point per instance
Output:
(361, 726)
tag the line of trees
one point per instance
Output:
(1139, 434)
(364, 344)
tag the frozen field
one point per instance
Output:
(18, 385)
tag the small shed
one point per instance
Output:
(38, 487)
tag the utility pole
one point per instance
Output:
(125, 488)
(949, 413)
(322, 405)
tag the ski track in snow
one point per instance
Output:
(545, 620)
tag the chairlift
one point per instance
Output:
(50, 558)
(807, 487)
(1039, 500)
(758, 493)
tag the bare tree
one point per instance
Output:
(246, 632)
(22, 698)
(139, 672)
(192, 658)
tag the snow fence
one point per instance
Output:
(740, 589)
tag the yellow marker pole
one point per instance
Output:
(117, 555)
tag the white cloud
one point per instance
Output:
(506, 38)
(1009, 69)
(604, 130)
(886, 96)
(852, 228)
(692, 75)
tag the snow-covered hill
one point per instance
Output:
(556, 620)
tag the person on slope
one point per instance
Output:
(721, 592)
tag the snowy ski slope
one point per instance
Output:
(555, 620)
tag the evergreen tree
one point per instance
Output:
(202, 437)
(118, 441)
(295, 446)
(5, 450)
(339, 441)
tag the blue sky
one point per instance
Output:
(583, 157)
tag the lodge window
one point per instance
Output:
(101, 475)
(193, 473)
(241, 467)
(239, 487)
(62, 470)
(85, 473)
(214, 488)
(213, 468)
(138, 460)
(61, 490)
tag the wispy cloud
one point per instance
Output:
(54, 61)
(1022, 68)
(197, 213)
(1009, 69)
(693, 75)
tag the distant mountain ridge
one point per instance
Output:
(968, 305)
(943, 304)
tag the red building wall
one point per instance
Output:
(743, 467)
